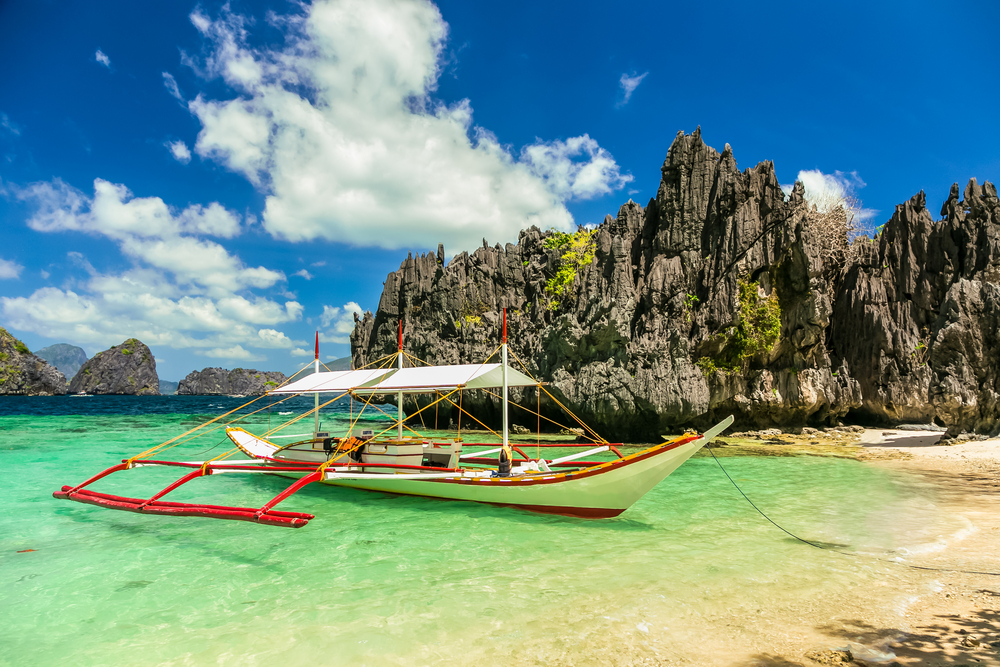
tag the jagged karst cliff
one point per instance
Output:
(65, 357)
(128, 369)
(245, 381)
(24, 374)
(669, 324)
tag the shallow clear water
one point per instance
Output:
(377, 579)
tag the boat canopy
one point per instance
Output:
(333, 382)
(408, 380)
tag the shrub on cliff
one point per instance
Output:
(578, 251)
(757, 328)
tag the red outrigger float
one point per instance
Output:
(417, 466)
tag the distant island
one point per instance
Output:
(238, 381)
(65, 357)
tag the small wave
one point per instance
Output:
(941, 543)
(285, 413)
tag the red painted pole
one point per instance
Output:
(317, 346)
(401, 335)
(505, 325)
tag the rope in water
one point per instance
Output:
(845, 553)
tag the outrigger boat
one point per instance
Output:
(414, 465)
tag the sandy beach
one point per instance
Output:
(946, 614)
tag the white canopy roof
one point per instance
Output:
(334, 381)
(409, 380)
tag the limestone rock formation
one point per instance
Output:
(25, 374)
(65, 357)
(128, 369)
(917, 317)
(243, 381)
(717, 297)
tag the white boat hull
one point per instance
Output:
(596, 492)
(599, 491)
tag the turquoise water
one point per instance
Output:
(383, 580)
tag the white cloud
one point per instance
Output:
(171, 84)
(44, 274)
(340, 131)
(114, 212)
(827, 191)
(574, 179)
(303, 273)
(276, 339)
(628, 85)
(182, 290)
(179, 150)
(102, 58)
(303, 352)
(9, 270)
(236, 353)
(342, 320)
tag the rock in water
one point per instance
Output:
(168, 387)
(128, 369)
(244, 381)
(67, 358)
(720, 296)
(24, 374)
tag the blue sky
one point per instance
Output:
(223, 180)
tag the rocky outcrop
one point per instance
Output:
(25, 374)
(243, 381)
(721, 296)
(128, 369)
(168, 387)
(917, 316)
(65, 357)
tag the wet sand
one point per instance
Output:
(948, 614)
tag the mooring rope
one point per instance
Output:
(845, 553)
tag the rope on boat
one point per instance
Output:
(595, 436)
(531, 412)
(845, 553)
(426, 407)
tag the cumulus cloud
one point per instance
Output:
(628, 85)
(340, 131)
(9, 270)
(183, 290)
(276, 339)
(102, 58)
(555, 162)
(302, 352)
(827, 191)
(304, 274)
(179, 150)
(339, 320)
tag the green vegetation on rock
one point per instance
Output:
(578, 251)
(472, 314)
(757, 329)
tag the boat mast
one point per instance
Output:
(399, 396)
(503, 348)
(316, 395)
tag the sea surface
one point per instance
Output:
(384, 580)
